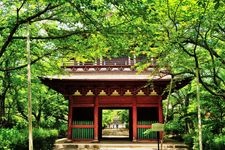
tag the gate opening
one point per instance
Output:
(115, 123)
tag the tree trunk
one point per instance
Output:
(186, 104)
(29, 89)
(199, 111)
(5, 87)
(168, 100)
(2, 108)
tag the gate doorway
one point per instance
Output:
(115, 123)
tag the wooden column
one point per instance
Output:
(96, 120)
(134, 116)
(160, 112)
(70, 117)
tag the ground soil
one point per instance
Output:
(115, 132)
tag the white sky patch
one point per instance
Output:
(71, 27)
(49, 46)
(42, 32)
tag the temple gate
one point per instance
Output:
(91, 87)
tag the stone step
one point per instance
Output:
(64, 144)
(99, 146)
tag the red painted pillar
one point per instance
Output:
(96, 120)
(160, 110)
(70, 117)
(134, 116)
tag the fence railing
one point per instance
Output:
(116, 63)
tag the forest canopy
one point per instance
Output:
(184, 36)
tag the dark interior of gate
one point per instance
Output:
(83, 123)
(146, 116)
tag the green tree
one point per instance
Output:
(182, 35)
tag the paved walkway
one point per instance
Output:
(115, 132)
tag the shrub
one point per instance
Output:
(189, 139)
(18, 139)
(10, 138)
(210, 141)
(174, 130)
(44, 138)
(218, 142)
(62, 130)
(174, 127)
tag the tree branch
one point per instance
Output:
(18, 10)
(186, 51)
(24, 65)
(209, 90)
(202, 44)
(17, 24)
(221, 28)
(66, 35)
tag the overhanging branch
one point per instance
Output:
(24, 65)
(20, 22)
